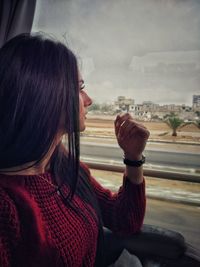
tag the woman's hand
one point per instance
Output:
(131, 136)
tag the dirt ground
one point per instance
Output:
(103, 126)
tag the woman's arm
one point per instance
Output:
(124, 211)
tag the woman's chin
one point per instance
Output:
(82, 128)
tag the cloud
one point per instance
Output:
(146, 46)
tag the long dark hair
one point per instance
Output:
(39, 86)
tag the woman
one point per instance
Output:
(52, 210)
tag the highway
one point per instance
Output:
(156, 155)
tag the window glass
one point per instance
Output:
(145, 50)
(136, 56)
(142, 57)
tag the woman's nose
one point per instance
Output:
(88, 100)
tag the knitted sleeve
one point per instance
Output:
(9, 228)
(122, 212)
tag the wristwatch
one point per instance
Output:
(135, 163)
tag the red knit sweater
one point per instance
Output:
(38, 229)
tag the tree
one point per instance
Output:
(168, 115)
(174, 123)
(106, 108)
(94, 107)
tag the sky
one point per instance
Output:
(148, 50)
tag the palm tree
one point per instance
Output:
(174, 123)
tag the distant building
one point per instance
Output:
(150, 111)
(149, 106)
(196, 103)
(124, 104)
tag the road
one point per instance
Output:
(168, 156)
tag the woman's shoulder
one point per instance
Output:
(12, 197)
(6, 202)
(9, 220)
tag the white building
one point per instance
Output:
(124, 104)
(196, 103)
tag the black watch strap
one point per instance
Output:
(135, 163)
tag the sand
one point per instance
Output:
(104, 126)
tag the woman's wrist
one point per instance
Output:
(132, 156)
(135, 175)
(134, 168)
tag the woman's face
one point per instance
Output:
(84, 102)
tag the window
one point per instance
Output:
(142, 57)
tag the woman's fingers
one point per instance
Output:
(140, 132)
(126, 127)
(131, 135)
(130, 129)
(120, 120)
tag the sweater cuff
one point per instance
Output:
(127, 182)
(130, 187)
